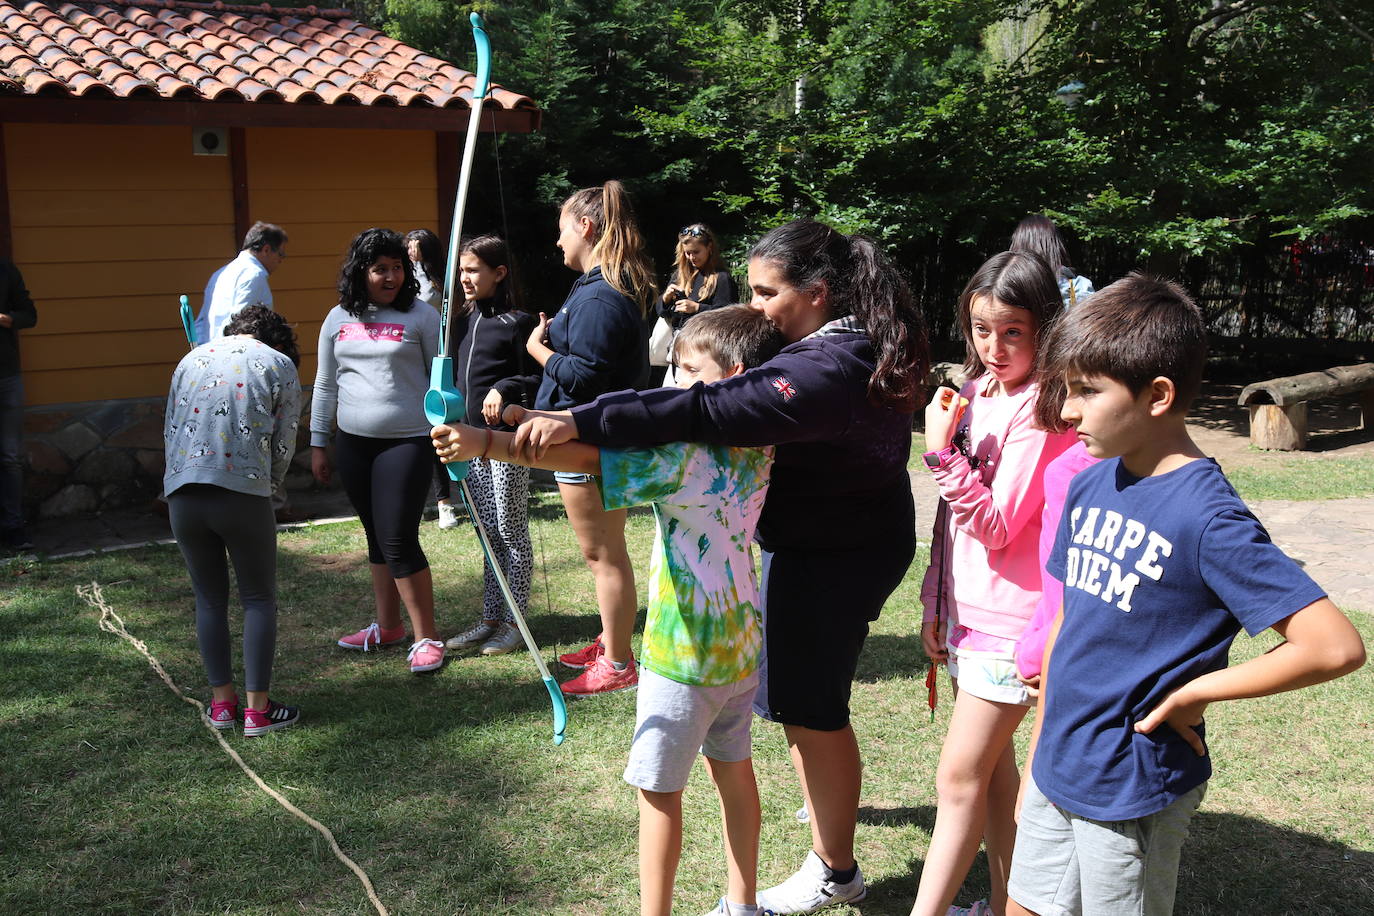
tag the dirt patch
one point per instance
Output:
(1221, 429)
(335, 562)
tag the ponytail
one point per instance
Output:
(859, 281)
(618, 246)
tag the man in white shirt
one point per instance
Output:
(243, 281)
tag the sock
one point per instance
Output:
(620, 666)
(740, 909)
(845, 876)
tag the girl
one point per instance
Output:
(226, 458)
(375, 351)
(838, 526)
(984, 579)
(494, 369)
(1039, 235)
(594, 344)
(426, 259)
(701, 281)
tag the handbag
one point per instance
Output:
(660, 342)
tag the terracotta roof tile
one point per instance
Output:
(216, 51)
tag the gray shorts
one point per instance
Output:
(674, 722)
(1065, 864)
(573, 477)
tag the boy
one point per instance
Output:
(1162, 565)
(702, 640)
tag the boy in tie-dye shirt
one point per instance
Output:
(702, 641)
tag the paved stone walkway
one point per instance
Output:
(1332, 539)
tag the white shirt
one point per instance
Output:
(241, 282)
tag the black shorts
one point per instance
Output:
(817, 606)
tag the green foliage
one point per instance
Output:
(934, 125)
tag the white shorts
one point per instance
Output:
(674, 722)
(989, 676)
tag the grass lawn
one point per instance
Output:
(446, 788)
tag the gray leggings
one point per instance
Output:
(206, 521)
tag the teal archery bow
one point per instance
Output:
(188, 323)
(443, 401)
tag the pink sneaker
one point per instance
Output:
(585, 656)
(261, 721)
(223, 715)
(374, 635)
(601, 677)
(426, 655)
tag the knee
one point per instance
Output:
(958, 784)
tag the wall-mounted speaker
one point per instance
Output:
(210, 141)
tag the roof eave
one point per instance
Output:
(68, 110)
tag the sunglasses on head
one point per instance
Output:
(695, 232)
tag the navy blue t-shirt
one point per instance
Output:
(1160, 574)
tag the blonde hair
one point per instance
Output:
(686, 273)
(617, 245)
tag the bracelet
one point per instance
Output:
(487, 448)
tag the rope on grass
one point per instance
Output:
(111, 622)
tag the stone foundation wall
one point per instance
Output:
(88, 457)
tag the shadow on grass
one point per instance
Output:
(886, 657)
(1231, 864)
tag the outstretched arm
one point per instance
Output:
(460, 442)
(1320, 644)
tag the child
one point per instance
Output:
(703, 636)
(1162, 565)
(493, 369)
(595, 344)
(983, 580)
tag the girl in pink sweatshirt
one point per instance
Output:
(989, 446)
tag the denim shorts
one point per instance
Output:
(989, 676)
(572, 477)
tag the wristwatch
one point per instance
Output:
(936, 460)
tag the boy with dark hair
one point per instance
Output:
(1162, 565)
(702, 640)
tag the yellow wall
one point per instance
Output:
(111, 224)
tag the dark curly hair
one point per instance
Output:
(363, 252)
(267, 326)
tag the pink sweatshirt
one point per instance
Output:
(1031, 649)
(991, 537)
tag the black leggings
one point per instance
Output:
(207, 521)
(387, 481)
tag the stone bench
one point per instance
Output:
(1278, 407)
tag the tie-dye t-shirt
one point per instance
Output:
(703, 625)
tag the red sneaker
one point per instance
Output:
(585, 656)
(601, 677)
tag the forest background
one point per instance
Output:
(1224, 143)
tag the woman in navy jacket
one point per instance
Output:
(594, 344)
(838, 526)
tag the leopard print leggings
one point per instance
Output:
(501, 493)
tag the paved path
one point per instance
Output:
(1333, 539)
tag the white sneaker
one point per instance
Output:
(474, 635)
(811, 889)
(506, 638)
(979, 908)
(448, 515)
(726, 908)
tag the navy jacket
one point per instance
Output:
(15, 302)
(489, 352)
(839, 478)
(599, 344)
(721, 296)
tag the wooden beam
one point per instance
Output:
(64, 110)
(238, 179)
(448, 151)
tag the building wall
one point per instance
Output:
(111, 224)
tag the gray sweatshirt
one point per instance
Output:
(374, 372)
(231, 417)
